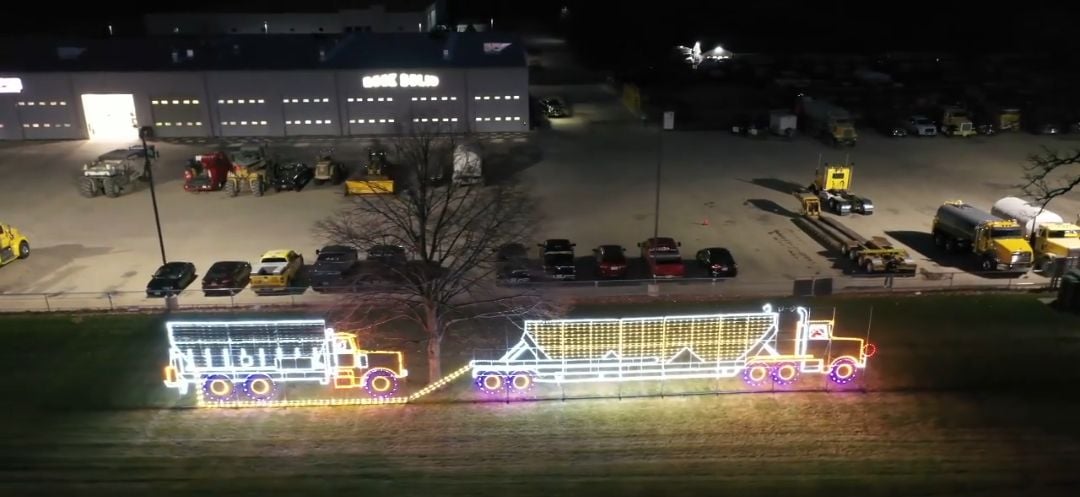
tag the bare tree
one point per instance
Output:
(450, 231)
(1051, 174)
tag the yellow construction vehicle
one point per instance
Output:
(374, 179)
(831, 184)
(1054, 241)
(871, 256)
(249, 169)
(956, 121)
(999, 244)
(13, 244)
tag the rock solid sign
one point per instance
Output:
(403, 80)
(11, 85)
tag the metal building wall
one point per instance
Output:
(398, 110)
(47, 108)
(174, 103)
(274, 103)
(499, 100)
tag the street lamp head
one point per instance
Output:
(146, 132)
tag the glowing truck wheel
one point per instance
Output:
(489, 382)
(259, 387)
(843, 370)
(520, 381)
(218, 388)
(756, 373)
(785, 373)
(380, 382)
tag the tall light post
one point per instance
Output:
(148, 171)
(667, 124)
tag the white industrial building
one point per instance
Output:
(263, 85)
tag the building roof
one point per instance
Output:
(263, 52)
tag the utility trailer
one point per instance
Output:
(871, 256)
(673, 347)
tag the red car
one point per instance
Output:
(662, 257)
(207, 173)
(610, 261)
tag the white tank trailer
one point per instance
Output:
(1024, 212)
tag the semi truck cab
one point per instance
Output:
(1056, 241)
(1005, 240)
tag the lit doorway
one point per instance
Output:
(110, 117)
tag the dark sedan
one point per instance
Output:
(291, 176)
(226, 278)
(610, 261)
(170, 279)
(718, 262)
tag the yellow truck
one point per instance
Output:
(956, 121)
(1051, 237)
(998, 243)
(276, 272)
(13, 244)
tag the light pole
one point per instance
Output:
(148, 171)
(668, 123)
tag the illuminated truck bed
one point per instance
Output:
(671, 347)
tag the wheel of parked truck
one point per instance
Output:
(939, 240)
(232, 187)
(259, 387)
(380, 382)
(785, 373)
(218, 388)
(88, 188)
(868, 267)
(843, 370)
(490, 382)
(832, 206)
(258, 187)
(950, 245)
(24, 249)
(520, 381)
(111, 187)
(988, 264)
(756, 373)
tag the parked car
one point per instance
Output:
(335, 267)
(170, 279)
(610, 261)
(554, 107)
(226, 278)
(662, 257)
(387, 254)
(558, 257)
(277, 271)
(893, 127)
(291, 176)
(718, 261)
(921, 126)
(512, 264)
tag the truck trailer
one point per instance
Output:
(827, 121)
(871, 256)
(673, 347)
(1051, 238)
(252, 360)
(998, 243)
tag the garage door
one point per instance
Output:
(179, 116)
(311, 115)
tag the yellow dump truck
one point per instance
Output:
(998, 243)
(276, 271)
(13, 244)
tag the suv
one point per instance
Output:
(558, 257)
(114, 172)
(662, 257)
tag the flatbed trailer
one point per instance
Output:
(870, 255)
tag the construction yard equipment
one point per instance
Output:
(831, 184)
(207, 172)
(13, 244)
(871, 256)
(1051, 237)
(829, 122)
(998, 243)
(956, 121)
(373, 179)
(328, 169)
(250, 164)
(113, 173)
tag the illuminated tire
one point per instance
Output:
(520, 381)
(843, 371)
(489, 382)
(218, 388)
(259, 387)
(380, 382)
(785, 373)
(756, 374)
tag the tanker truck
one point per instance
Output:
(1050, 236)
(998, 243)
(673, 347)
(250, 361)
(827, 121)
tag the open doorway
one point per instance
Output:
(110, 116)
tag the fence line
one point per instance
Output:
(718, 287)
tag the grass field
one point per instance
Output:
(969, 395)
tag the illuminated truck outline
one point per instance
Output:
(672, 347)
(247, 360)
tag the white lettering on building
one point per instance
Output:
(403, 80)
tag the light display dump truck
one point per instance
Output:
(252, 360)
(673, 347)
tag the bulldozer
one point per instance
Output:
(250, 166)
(328, 169)
(374, 179)
(113, 173)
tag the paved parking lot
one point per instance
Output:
(593, 174)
